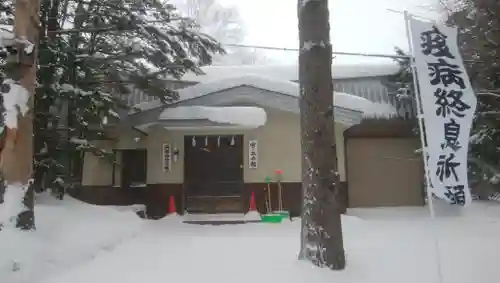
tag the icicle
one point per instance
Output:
(206, 141)
(232, 141)
(218, 141)
(193, 142)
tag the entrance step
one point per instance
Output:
(215, 204)
(221, 218)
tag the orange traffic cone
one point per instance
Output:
(253, 206)
(171, 206)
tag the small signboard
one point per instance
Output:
(167, 157)
(253, 156)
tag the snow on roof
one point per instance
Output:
(201, 89)
(343, 100)
(379, 110)
(290, 72)
(242, 116)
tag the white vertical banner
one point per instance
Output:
(167, 157)
(448, 106)
(253, 154)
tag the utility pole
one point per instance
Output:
(16, 162)
(321, 233)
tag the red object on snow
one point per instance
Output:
(278, 172)
(171, 205)
(253, 206)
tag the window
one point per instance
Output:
(133, 167)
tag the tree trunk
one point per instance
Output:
(321, 234)
(17, 155)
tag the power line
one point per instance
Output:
(114, 28)
(335, 52)
(377, 55)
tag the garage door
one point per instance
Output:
(384, 172)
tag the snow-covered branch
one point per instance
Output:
(488, 93)
(490, 113)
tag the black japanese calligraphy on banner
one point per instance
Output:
(456, 194)
(448, 102)
(447, 167)
(443, 73)
(448, 105)
(433, 42)
(451, 135)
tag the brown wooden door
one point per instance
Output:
(214, 169)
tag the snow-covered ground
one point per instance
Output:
(69, 233)
(81, 243)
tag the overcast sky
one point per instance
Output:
(356, 25)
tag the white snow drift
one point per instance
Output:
(382, 245)
(69, 233)
(82, 243)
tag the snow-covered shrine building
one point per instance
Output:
(235, 126)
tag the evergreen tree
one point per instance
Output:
(92, 55)
(401, 84)
(479, 48)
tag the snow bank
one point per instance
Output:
(393, 246)
(12, 205)
(243, 116)
(68, 233)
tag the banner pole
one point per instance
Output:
(420, 117)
